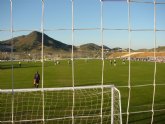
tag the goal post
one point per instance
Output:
(58, 103)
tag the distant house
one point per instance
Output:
(117, 49)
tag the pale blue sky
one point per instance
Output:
(27, 15)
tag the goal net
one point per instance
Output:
(68, 105)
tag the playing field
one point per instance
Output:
(89, 73)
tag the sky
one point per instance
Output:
(27, 15)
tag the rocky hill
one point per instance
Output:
(92, 47)
(33, 41)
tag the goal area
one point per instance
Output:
(68, 105)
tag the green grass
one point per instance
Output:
(89, 73)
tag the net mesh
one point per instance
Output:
(6, 104)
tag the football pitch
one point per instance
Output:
(89, 72)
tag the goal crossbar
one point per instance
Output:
(55, 89)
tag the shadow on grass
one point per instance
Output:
(159, 118)
(9, 66)
(138, 119)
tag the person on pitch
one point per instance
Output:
(36, 79)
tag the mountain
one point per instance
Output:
(161, 48)
(158, 49)
(92, 47)
(89, 46)
(34, 41)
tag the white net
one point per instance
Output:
(142, 99)
(58, 105)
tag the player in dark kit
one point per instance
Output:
(36, 79)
